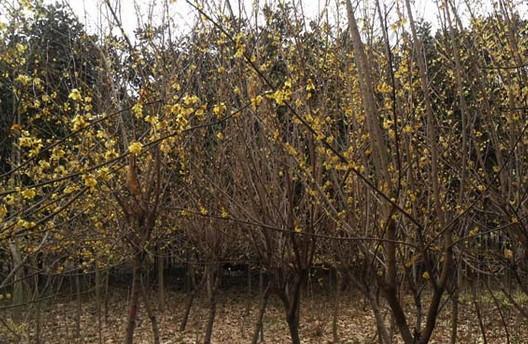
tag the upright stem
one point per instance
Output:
(260, 316)
(212, 284)
(79, 306)
(133, 308)
(193, 290)
(161, 281)
(150, 314)
(337, 295)
(98, 303)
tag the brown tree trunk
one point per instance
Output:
(479, 314)
(291, 299)
(194, 289)
(107, 278)
(454, 318)
(161, 281)
(213, 278)
(188, 306)
(151, 315)
(38, 311)
(337, 294)
(19, 289)
(293, 325)
(384, 336)
(98, 303)
(133, 307)
(259, 325)
(79, 306)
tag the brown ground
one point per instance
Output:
(234, 323)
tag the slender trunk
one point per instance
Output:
(293, 325)
(259, 325)
(367, 95)
(161, 281)
(454, 316)
(188, 307)
(249, 301)
(291, 299)
(79, 306)
(212, 284)
(419, 308)
(18, 285)
(210, 320)
(479, 315)
(98, 303)
(503, 320)
(151, 315)
(188, 280)
(398, 314)
(337, 293)
(192, 294)
(38, 321)
(249, 281)
(133, 307)
(107, 278)
(38, 311)
(261, 281)
(380, 322)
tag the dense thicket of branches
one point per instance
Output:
(392, 155)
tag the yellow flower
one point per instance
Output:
(25, 141)
(407, 129)
(255, 102)
(426, 276)
(23, 79)
(10, 199)
(384, 88)
(280, 96)
(240, 51)
(90, 181)
(203, 211)
(21, 223)
(152, 120)
(137, 110)
(78, 122)
(21, 48)
(200, 112)
(29, 194)
(387, 123)
(57, 154)
(44, 164)
(219, 109)
(70, 188)
(310, 86)
(220, 136)
(224, 214)
(135, 148)
(3, 212)
(75, 95)
(165, 147)
(190, 100)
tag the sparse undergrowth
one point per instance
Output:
(236, 317)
